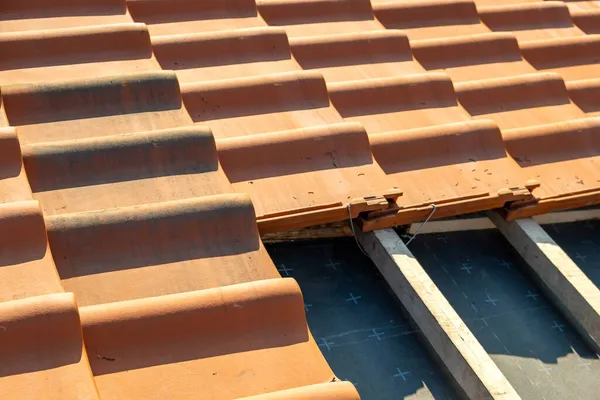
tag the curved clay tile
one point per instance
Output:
(473, 57)
(155, 249)
(84, 108)
(426, 142)
(323, 391)
(520, 101)
(461, 168)
(82, 52)
(223, 343)
(25, 15)
(587, 20)
(26, 265)
(42, 350)
(169, 17)
(14, 185)
(227, 54)
(308, 176)
(574, 57)
(564, 157)
(428, 19)
(531, 21)
(354, 56)
(394, 103)
(124, 170)
(266, 103)
(319, 17)
(585, 94)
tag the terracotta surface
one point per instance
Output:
(83, 52)
(429, 19)
(531, 21)
(170, 17)
(421, 136)
(24, 15)
(354, 56)
(225, 54)
(564, 157)
(588, 20)
(477, 56)
(14, 185)
(573, 58)
(78, 109)
(319, 17)
(225, 343)
(276, 120)
(520, 101)
(326, 391)
(585, 94)
(312, 175)
(156, 249)
(42, 352)
(26, 265)
(122, 147)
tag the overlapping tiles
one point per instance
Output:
(140, 215)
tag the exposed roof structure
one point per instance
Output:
(146, 145)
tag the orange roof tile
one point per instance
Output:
(319, 17)
(43, 355)
(170, 17)
(225, 343)
(572, 57)
(429, 19)
(26, 265)
(136, 174)
(226, 54)
(83, 52)
(156, 249)
(531, 21)
(24, 15)
(472, 57)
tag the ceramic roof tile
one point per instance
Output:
(585, 94)
(325, 391)
(14, 185)
(225, 54)
(564, 157)
(26, 265)
(588, 20)
(352, 56)
(225, 343)
(520, 101)
(546, 133)
(319, 17)
(156, 249)
(311, 184)
(414, 124)
(574, 58)
(84, 52)
(531, 21)
(307, 176)
(43, 355)
(23, 15)
(86, 108)
(170, 17)
(473, 57)
(429, 19)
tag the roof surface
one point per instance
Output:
(146, 145)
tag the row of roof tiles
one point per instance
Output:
(135, 167)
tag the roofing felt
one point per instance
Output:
(144, 146)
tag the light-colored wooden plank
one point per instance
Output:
(459, 350)
(562, 280)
